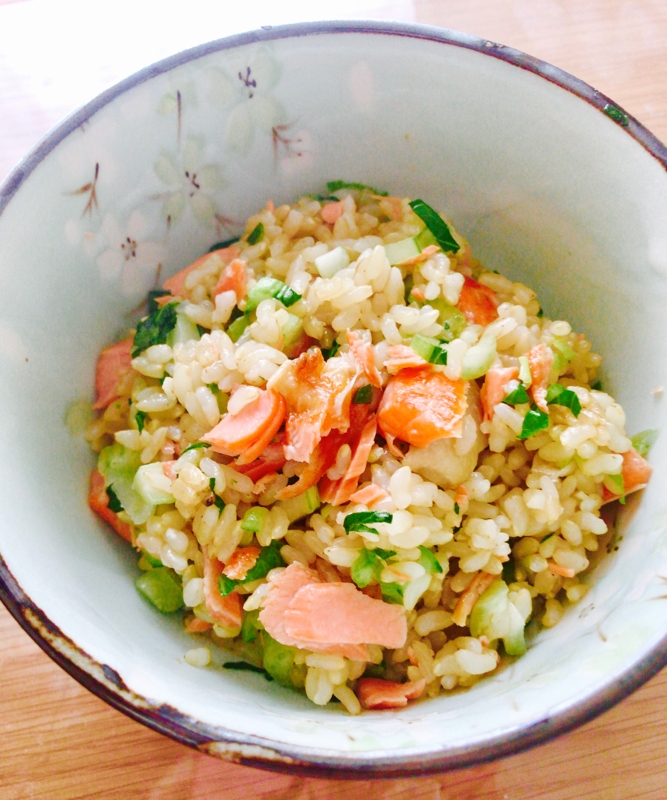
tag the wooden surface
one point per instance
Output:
(59, 741)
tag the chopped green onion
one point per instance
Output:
(525, 375)
(266, 288)
(363, 396)
(243, 666)
(642, 442)
(331, 351)
(114, 503)
(478, 359)
(360, 520)
(336, 186)
(428, 560)
(254, 519)
(332, 262)
(154, 328)
(457, 510)
(392, 592)
(222, 245)
(140, 419)
(436, 224)
(196, 446)
(616, 114)
(161, 588)
(518, 396)
(429, 349)
(558, 395)
(256, 234)
(534, 422)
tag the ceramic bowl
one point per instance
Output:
(551, 182)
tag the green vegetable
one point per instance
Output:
(161, 588)
(270, 287)
(243, 666)
(428, 560)
(534, 422)
(279, 663)
(236, 328)
(525, 375)
(478, 359)
(226, 585)
(152, 484)
(269, 558)
(254, 519)
(452, 320)
(558, 395)
(425, 239)
(597, 386)
(360, 520)
(155, 328)
(222, 245)
(457, 510)
(331, 351)
(375, 670)
(183, 331)
(496, 616)
(429, 349)
(642, 442)
(332, 262)
(436, 224)
(147, 562)
(392, 592)
(140, 419)
(518, 396)
(368, 565)
(114, 503)
(291, 330)
(616, 114)
(256, 234)
(302, 505)
(400, 252)
(564, 353)
(151, 299)
(251, 626)
(363, 396)
(336, 186)
(118, 466)
(196, 446)
(619, 486)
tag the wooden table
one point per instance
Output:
(59, 741)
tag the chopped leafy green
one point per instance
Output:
(534, 422)
(453, 320)
(616, 114)
(644, 441)
(196, 446)
(597, 386)
(336, 186)
(140, 419)
(540, 314)
(222, 245)
(518, 396)
(151, 299)
(226, 585)
(266, 288)
(118, 466)
(361, 520)
(368, 565)
(154, 328)
(457, 510)
(269, 558)
(219, 503)
(222, 398)
(363, 396)
(428, 560)
(114, 503)
(162, 588)
(256, 234)
(243, 666)
(436, 224)
(375, 670)
(558, 395)
(430, 349)
(331, 351)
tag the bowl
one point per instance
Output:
(552, 183)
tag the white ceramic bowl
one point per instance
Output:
(549, 187)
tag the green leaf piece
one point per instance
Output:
(428, 560)
(151, 299)
(363, 396)
(154, 328)
(518, 396)
(534, 422)
(436, 224)
(222, 245)
(336, 186)
(256, 234)
(196, 446)
(361, 520)
(114, 503)
(558, 395)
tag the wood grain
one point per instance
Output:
(60, 742)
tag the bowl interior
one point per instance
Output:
(548, 189)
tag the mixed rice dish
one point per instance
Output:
(352, 457)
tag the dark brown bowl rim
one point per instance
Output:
(255, 751)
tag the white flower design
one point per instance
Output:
(129, 257)
(246, 93)
(191, 182)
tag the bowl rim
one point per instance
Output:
(249, 750)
